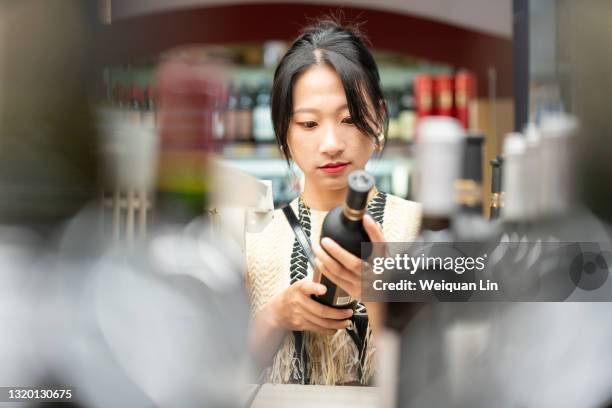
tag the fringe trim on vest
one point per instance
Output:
(331, 359)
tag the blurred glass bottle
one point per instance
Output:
(443, 95)
(465, 93)
(440, 141)
(557, 165)
(393, 108)
(191, 86)
(515, 182)
(423, 96)
(232, 114)
(469, 185)
(263, 130)
(533, 150)
(496, 188)
(469, 224)
(407, 114)
(245, 114)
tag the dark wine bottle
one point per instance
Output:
(469, 186)
(344, 224)
(495, 188)
(469, 223)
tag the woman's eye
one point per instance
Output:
(348, 120)
(308, 124)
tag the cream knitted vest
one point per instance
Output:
(333, 359)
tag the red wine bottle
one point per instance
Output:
(344, 224)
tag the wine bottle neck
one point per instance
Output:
(352, 214)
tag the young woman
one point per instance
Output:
(329, 118)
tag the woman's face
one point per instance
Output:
(322, 139)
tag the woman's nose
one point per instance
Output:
(332, 143)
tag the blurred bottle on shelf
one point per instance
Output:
(443, 95)
(533, 151)
(191, 88)
(557, 164)
(218, 119)
(516, 186)
(549, 179)
(148, 106)
(137, 97)
(231, 114)
(245, 114)
(444, 142)
(439, 140)
(496, 188)
(393, 109)
(149, 97)
(469, 185)
(263, 131)
(465, 94)
(136, 102)
(407, 114)
(119, 96)
(423, 96)
(470, 224)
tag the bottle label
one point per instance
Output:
(343, 300)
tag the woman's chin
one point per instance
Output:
(334, 183)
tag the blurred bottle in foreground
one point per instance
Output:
(191, 83)
(440, 140)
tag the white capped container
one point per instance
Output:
(439, 151)
(533, 162)
(557, 163)
(514, 178)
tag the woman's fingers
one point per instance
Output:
(322, 330)
(328, 324)
(379, 249)
(344, 280)
(373, 229)
(336, 259)
(311, 288)
(318, 309)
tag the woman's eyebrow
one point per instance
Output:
(315, 110)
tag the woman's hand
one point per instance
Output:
(294, 309)
(342, 267)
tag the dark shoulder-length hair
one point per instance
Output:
(342, 48)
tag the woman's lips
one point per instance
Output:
(334, 168)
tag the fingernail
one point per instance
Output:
(322, 289)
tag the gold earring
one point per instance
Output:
(381, 141)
